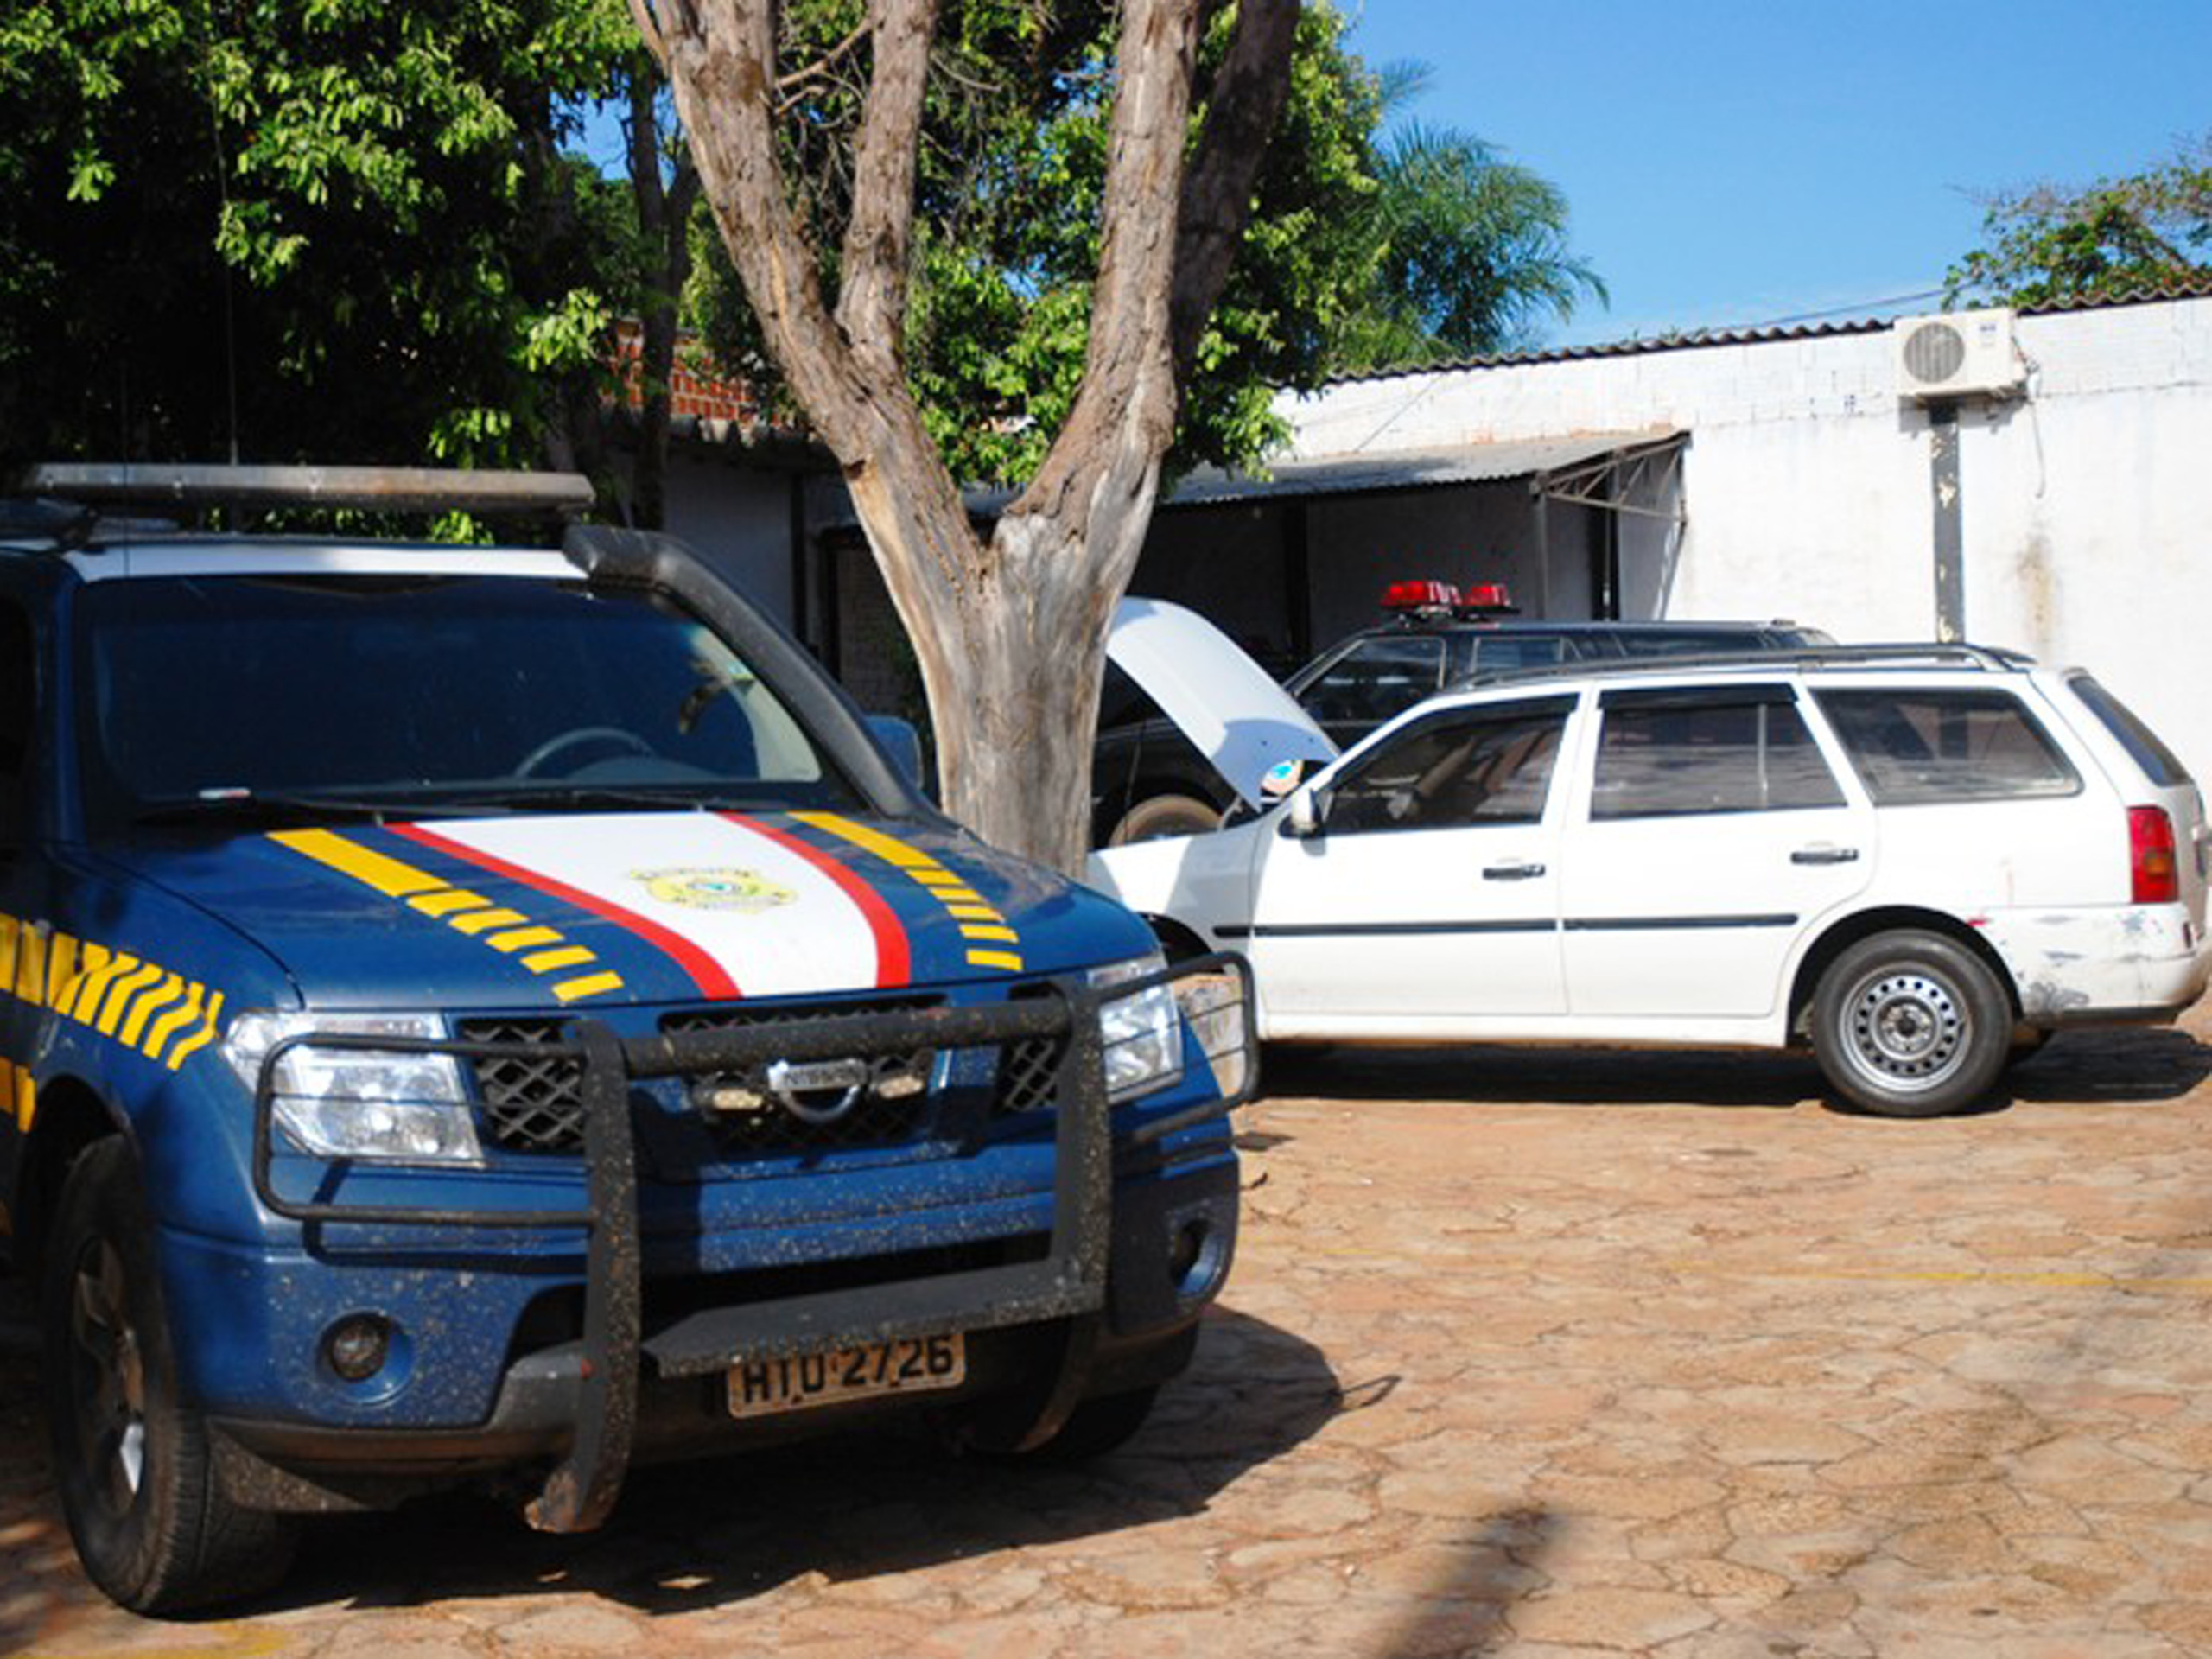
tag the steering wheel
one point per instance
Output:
(530, 765)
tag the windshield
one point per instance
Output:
(218, 696)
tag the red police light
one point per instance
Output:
(1424, 595)
(1486, 596)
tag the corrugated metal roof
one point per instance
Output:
(1409, 469)
(2179, 288)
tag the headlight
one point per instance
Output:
(1142, 1034)
(349, 1102)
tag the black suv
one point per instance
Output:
(1148, 780)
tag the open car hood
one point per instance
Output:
(1223, 702)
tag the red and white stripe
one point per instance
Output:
(835, 934)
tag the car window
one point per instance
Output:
(1661, 753)
(1377, 679)
(1913, 746)
(422, 686)
(1688, 642)
(2160, 764)
(1489, 768)
(1495, 651)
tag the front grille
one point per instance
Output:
(1029, 1073)
(534, 1105)
(749, 1116)
(530, 1104)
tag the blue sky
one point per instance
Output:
(1732, 163)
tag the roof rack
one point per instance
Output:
(1986, 659)
(389, 489)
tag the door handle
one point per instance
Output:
(1511, 872)
(1825, 855)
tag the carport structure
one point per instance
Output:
(1580, 527)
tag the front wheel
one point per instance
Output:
(1910, 1024)
(138, 1487)
(1159, 816)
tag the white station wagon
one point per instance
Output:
(1918, 861)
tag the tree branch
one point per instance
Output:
(1247, 98)
(872, 308)
(1125, 407)
(788, 84)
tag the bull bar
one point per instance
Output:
(1068, 1282)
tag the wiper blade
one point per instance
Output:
(251, 807)
(523, 796)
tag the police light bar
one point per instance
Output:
(392, 489)
(1485, 599)
(1424, 595)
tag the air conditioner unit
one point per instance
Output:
(1958, 354)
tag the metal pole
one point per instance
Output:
(1950, 544)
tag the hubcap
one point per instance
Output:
(110, 1378)
(1906, 1029)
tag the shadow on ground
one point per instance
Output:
(2146, 1064)
(705, 1534)
(847, 1507)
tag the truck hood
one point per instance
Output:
(1227, 705)
(593, 909)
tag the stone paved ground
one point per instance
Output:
(1526, 1354)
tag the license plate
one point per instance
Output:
(763, 1388)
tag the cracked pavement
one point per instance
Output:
(1536, 1353)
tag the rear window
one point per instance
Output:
(1664, 754)
(1916, 746)
(2160, 764)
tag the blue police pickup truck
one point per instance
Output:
(495, 1015)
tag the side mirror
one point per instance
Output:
(1302, 818)
(903, 743)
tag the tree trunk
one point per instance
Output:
(1011, 635)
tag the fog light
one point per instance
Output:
(1184, 1254)
(356, 1347)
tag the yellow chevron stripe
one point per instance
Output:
(167, 991)
(888, 847)
(569, 956)
(957, 896)
(25, 1090)
(125, 991)
(1005, 959)
(30, 964)
(60, 970)
(590, 985)
(201, 1037)
(96, 984)
(387, 875)
(173, 1022)
(10, 930)
(445, 901)
(522, 938)
(475, 921)
(937, 876)
(91, 959)
(973, 913)
(985, 930)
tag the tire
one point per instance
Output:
(137, 1484)
(1159, 815)
(1093, 1429)
(1910, 1024)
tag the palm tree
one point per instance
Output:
(1471, 250)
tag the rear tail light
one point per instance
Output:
(2151, 856)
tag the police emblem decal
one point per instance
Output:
(722, 888)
